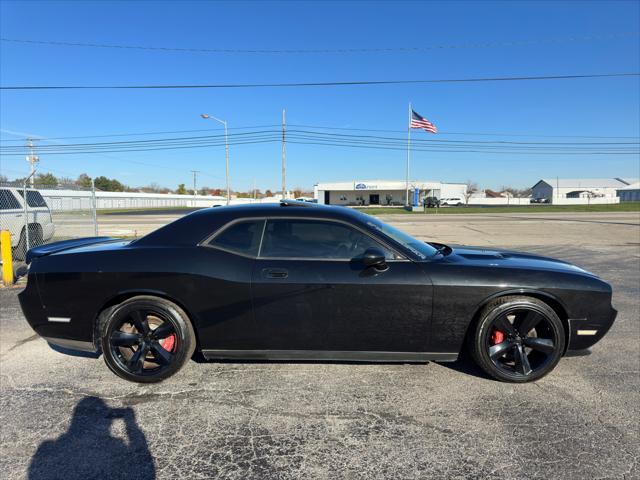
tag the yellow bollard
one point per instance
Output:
(7, 260)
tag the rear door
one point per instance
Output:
(311, 292)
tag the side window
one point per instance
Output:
(8, 201)
(315, 239)
(34, 199)
(241, 237)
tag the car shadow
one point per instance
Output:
(465, 364)
(88, 449)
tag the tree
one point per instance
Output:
(83, 180)
(3, 179)
(46, 180)
(472, 187)
(108, 185)
(181, 190)
(66, 181)
(268, 193)
(517, 193)
(297, 192)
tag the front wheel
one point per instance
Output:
(518, 339)
(146, 339)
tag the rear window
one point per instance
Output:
(8, 201)
(241, 237)
(34, 199)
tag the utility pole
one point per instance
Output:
(32, 158)
(284, 154)
(195, 191)
(254, 189)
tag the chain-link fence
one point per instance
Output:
(33, 220)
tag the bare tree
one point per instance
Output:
(517, 193)
(472, 187)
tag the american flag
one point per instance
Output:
(420, 122)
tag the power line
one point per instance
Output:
(320, 127)
(426, 48)
(360, 141)
(242, 137)
(319, 84)
(142, 133)
(443, 132)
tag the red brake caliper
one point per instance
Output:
(169, 342)
(497, 337)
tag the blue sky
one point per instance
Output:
(594, 107)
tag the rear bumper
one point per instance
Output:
(57, 328)
(586, 332)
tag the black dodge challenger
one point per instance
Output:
(298, 281)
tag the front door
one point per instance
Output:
(311, 293)
(374, 199)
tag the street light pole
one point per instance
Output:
(206, 116)
(226, 153)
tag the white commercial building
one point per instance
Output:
(559, 190)
(383, 192)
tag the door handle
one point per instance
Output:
(275, 273)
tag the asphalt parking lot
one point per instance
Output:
(70, 417)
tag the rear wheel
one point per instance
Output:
(146, 339)
(20, 250)
(518, 339)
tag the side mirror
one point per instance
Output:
(374, 257)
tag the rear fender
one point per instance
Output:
(50, 248)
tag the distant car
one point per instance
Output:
(297, 281)
(307, 199)
(431, 202)
(454, 201)
(540, 200)
(12, 218)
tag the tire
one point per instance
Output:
(140, 353)
(35, 235)
(20, 250)
(507, 354)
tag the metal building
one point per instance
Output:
(630, 193)
(577, 188)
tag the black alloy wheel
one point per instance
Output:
(518, 339)
(146, 339)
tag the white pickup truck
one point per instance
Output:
(12, 218)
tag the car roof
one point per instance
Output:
(198, 225)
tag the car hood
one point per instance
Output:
(511, 259)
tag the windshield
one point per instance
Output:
(418, 248)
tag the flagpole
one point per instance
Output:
(408, 154)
